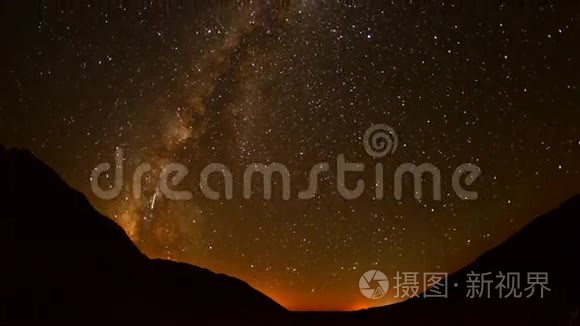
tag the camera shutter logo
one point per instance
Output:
(373, 284)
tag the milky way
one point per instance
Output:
(299, 83)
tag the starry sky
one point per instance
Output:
(299, 82)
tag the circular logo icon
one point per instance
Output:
(380, 140)
(373, 284)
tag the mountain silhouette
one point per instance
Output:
(549, 245)
(65, 263)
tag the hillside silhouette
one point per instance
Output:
(64, 262)
(549, 244)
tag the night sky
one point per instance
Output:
(299, 83)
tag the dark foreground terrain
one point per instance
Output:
(65, 263)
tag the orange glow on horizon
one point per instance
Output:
(298, 302)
